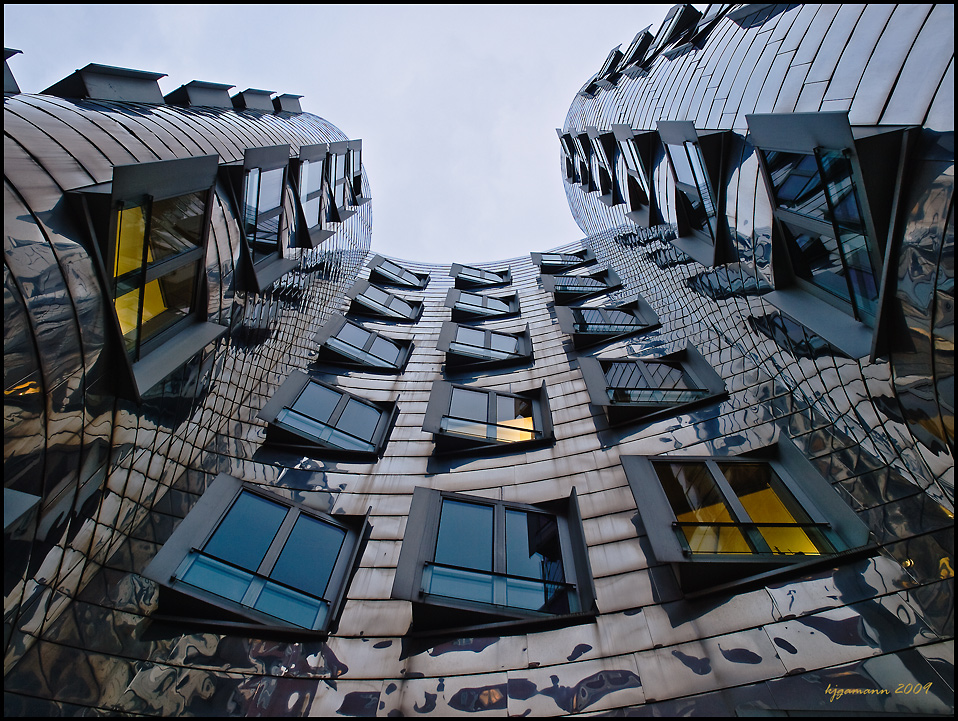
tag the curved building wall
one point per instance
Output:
(101, 636)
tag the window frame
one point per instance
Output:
(457, 361)
(182, 602)
(605, 150)
(463, 281)
(571, 174)
(709, 242)
(328, 354)
(637, 150)
(134, 185)
(377, 275)
(552, 283)
(462, 314)
(359, 309)
(312, 236)
(694, 367)
(699, 572)
(289, 392)
(447, 443)
(437, 614)
(878, 160)
(582, 259)
(647, 321)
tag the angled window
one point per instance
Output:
(468, 307)
(551, 263)
(386, 272)
(317, 213)
(583, 156)
(698, 168)
(246, 555)
(634, 55)
(473, 419)
(372, 301)
(721, 518)
(469, 348)
(833, 198)
(355, 148)
(637, 149)
(631, 390)
(567, 289)
(570, 162)
(305, 413)
(151, 227)
(346, 344)
(468, 277)
(605, 154)
(341, 178)
(595, 326)
(469, 561)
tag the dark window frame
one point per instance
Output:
(571, 168)
(465, 281)
(281, 435)
(568, 261)
(327, 338)
(703, 572)
(708, 240)
(181, 602)
(358, 308)
(136, 185)
(707, 386)
(379, 276)
(461, 312)
(312, 234)
(459, 359)
(564, 293)
(448, 442)
(877, 160)
(441, 614)
(638, 149)
(647, 320)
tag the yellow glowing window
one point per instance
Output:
(496, 417)
(737, 508)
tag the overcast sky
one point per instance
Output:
(456, 105)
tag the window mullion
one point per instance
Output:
(739, 514)
(279, 541)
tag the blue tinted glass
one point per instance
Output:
(532, 546)
(288, 605)
(215, 577)
(472, 405)
(465, 535)
(316, 401)
(359, 420)
(308, 557)
(244, 535)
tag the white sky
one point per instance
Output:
(456, 105)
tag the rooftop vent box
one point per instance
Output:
(103, 82)
(202, 94)
(287, 103)
(9, 82)
(251, 99)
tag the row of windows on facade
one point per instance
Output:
(831, 188)
(246, 554)
(150, 226)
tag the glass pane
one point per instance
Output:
(514, 419)
(244, 535)
(359, 419)
(471, 405)
(457, 583)
(309, 555)
(288, 605)
(167, 300)
(176, 225)
(320, 432)
(505, 343)
(696, 499)
(270, 190)
(680, 163)
(767, 500)
(465, 535)
(215, 577)
(471, 336)
(250, 197)
(130, 235)
(701, 178)
(316, 401)
(532, 546)
(354, 335)
(537, 596)
(386, 350)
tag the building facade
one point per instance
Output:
(698, 462)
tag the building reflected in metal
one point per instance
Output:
(765, 285)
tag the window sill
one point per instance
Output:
(268, 273)
(701, 251)
(839, 329)
(162, 361)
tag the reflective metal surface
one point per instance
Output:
(864, 633)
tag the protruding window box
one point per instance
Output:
(552, 263)
(371, 301)
(638, 148)
(383, 271)
(316, 214)
(345, 344)
(468, 307)
(604, 151)
(473, 349)
(630, 390)
(463, 419)
(468, 562)
(720, 520)
(149, 232)
(591, 327)
(699, 161)
(248, 560)
(469, 278)
(308, 416)
(568, 289)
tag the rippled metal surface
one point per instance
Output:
(858, 634)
